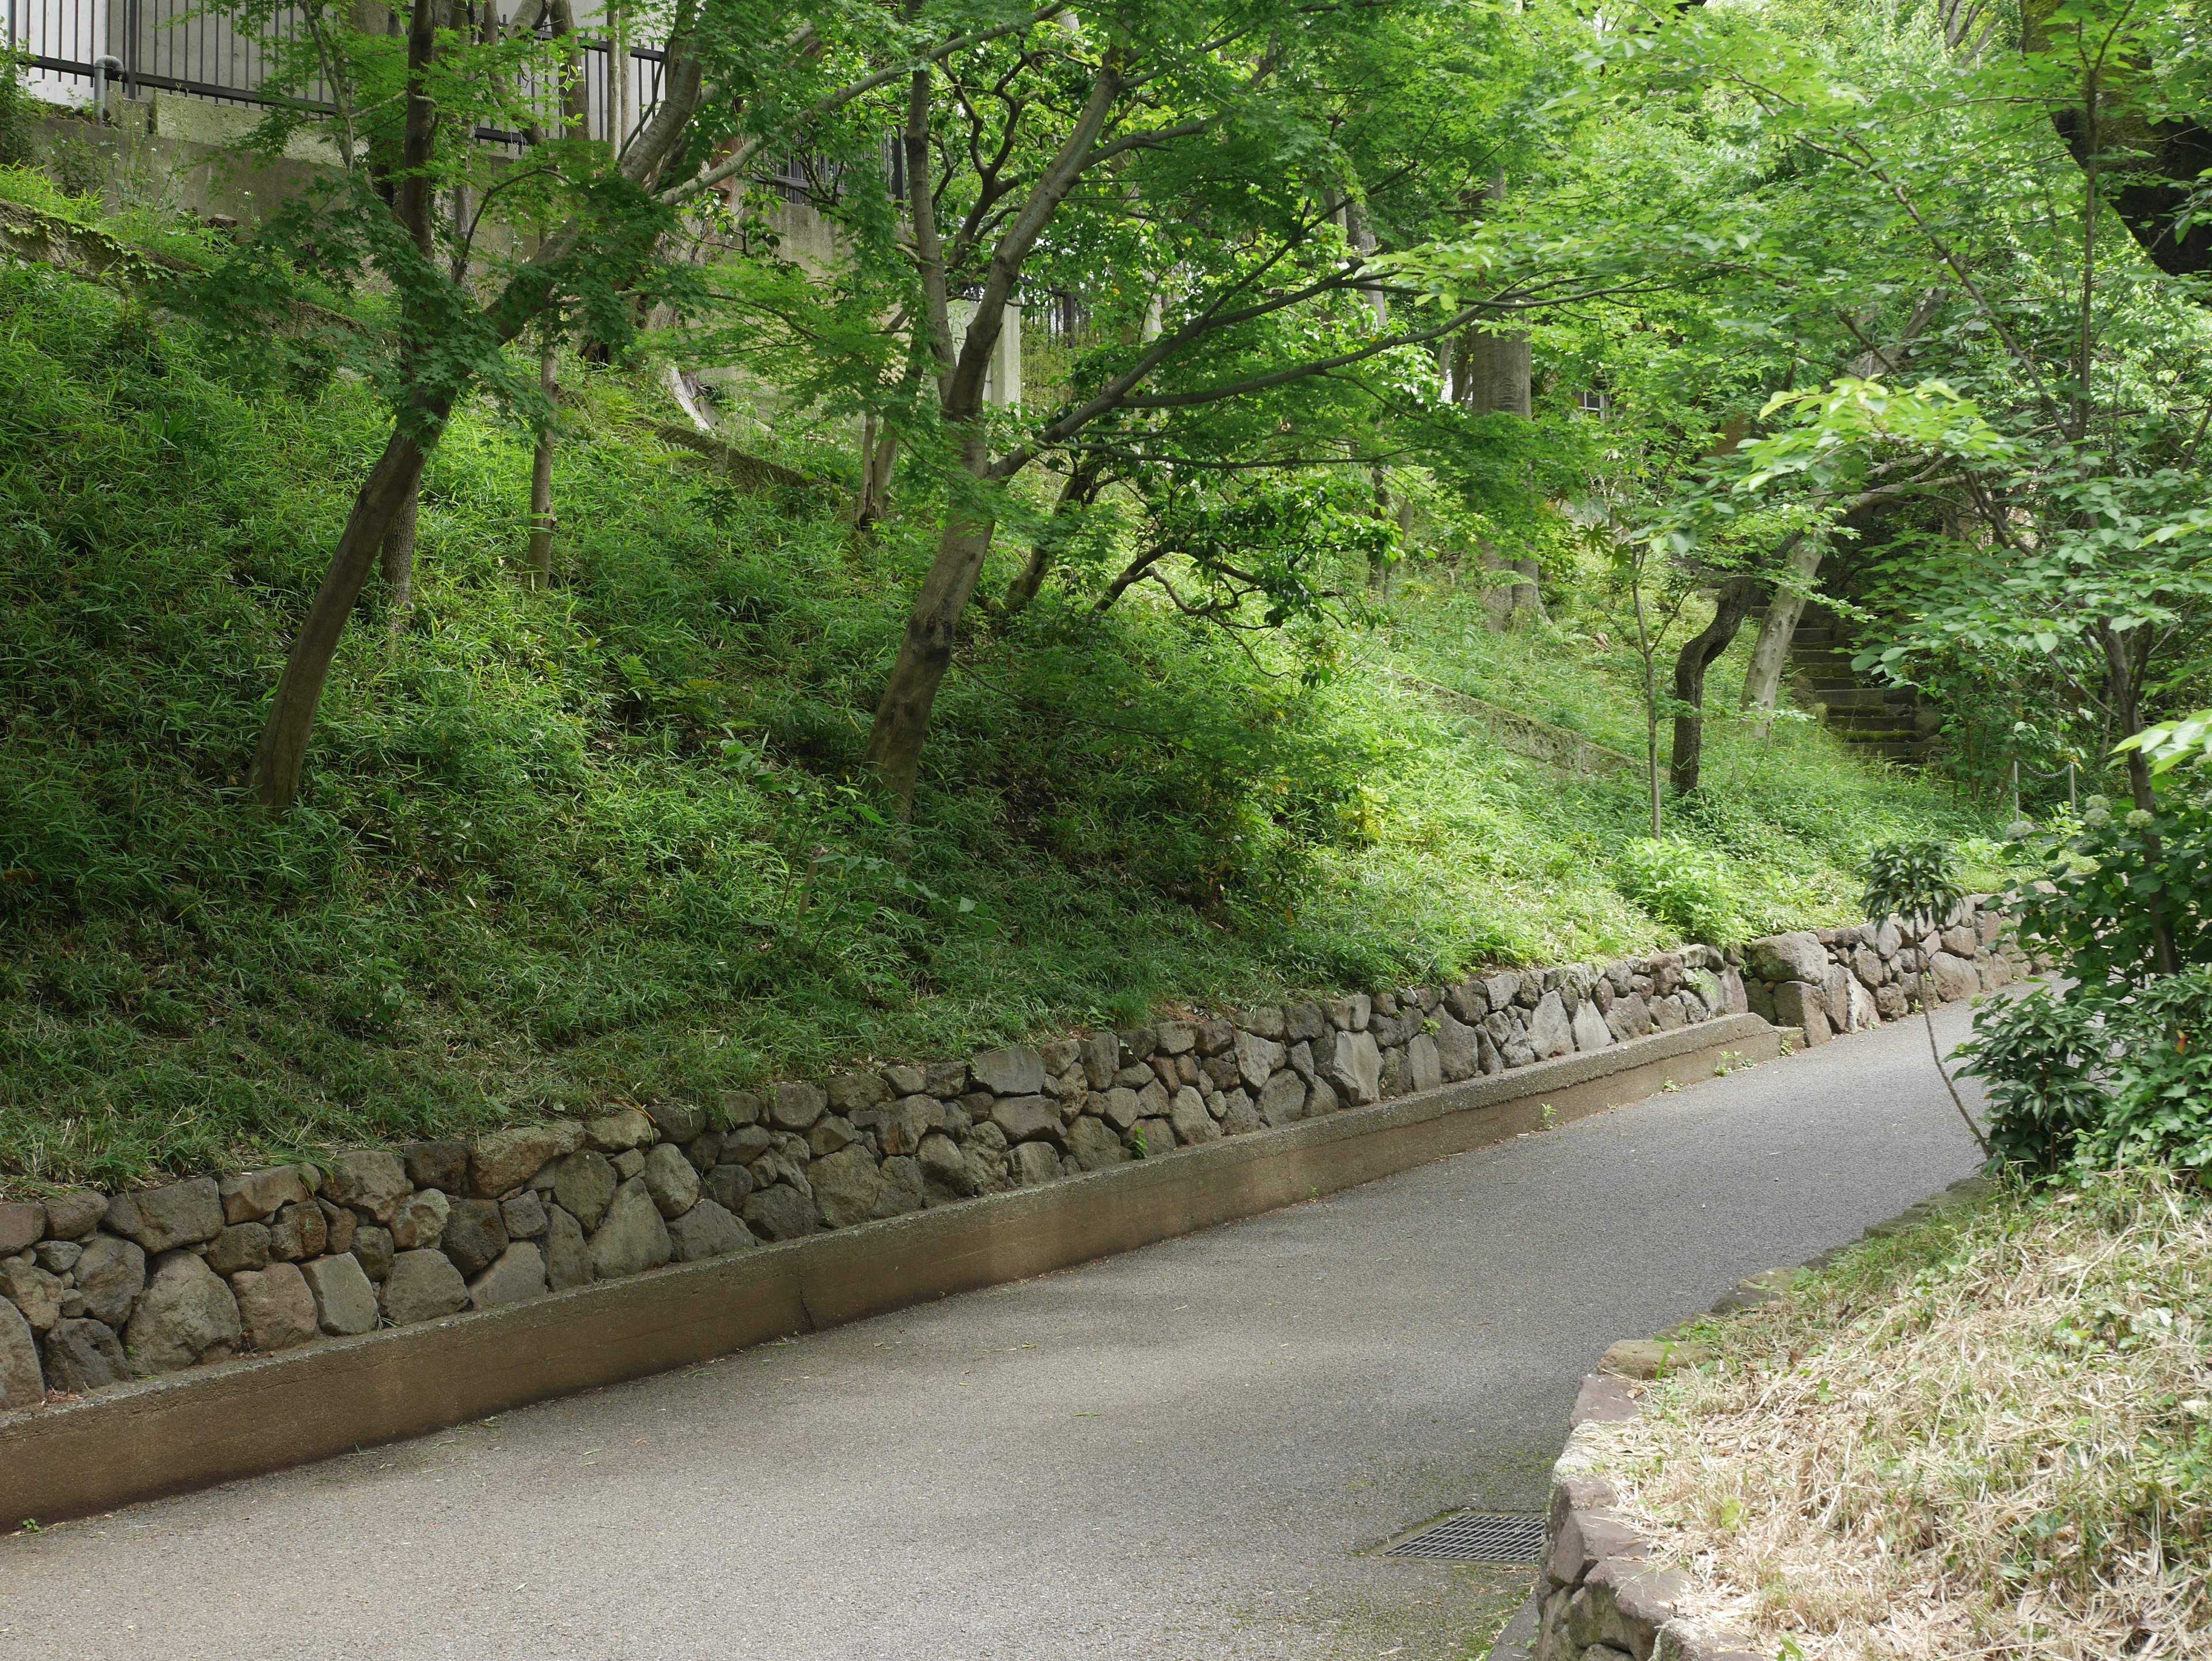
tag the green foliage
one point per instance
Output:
(1684, 886)
(1919, 881)
(2102, 1077)
(2118, 876)
(19, 112)
(603, 842)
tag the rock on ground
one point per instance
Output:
(423, 1286)
(187, 1315)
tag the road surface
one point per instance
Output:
(1182, 1453)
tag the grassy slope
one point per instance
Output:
(563, 847)
(1987, 1435)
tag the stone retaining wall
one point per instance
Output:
(1827, 981)
(94, 1289)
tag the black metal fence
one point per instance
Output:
(76, 48)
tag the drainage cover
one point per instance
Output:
(1477, 1537)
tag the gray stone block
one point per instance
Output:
(504, 1160)
(274, 1307)
(298, 1232)
(159, 1218)
(797, 1106)
(240, 1247)
(345, 1301)
(423, 1286)
(81, 1356)
(1017, 1070)
(110, 1275)
(584, 1185)
(256, 1195)
(707, 1230)
(567, 1254)
(780, 1212)
(902, 1189)
(634, 1237)
(522, 1216)
(442, 1166)
(515, 1276)
(368, 1180)
(670, 1180)
(23, 1381)
(419, 1221)
(186, 1316)
(847, 1185)
(475, 1235)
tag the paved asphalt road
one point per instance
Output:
(1180, 1452)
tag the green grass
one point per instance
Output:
(600, 842)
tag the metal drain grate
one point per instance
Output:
(1477, 1537)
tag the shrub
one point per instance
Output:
(2104, 889)
(1684, 886)
(2104, 1076)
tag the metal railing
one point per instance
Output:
(137, 47)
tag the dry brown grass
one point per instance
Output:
(1990, 1437)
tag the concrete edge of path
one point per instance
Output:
(260, 1413)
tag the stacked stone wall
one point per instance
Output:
(1831, 981)
(96, 1289)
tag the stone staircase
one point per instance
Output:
(1897, 723)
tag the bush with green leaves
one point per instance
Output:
(2122, 874)
(1689, 888)
(2103, 1076)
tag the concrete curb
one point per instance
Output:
(209, 1425)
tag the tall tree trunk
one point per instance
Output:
(376, 510)
(901, 724)
(537, 566)
(1697, 656)
(1490, 376)
(399, 558)
(1770, 653)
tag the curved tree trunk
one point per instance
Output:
(1770, 653)
(398, 556)
(376, 510)
(1696, 657)
(538, 564)
(901, 724)
(1076, 494)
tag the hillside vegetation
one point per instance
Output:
(605, 842)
